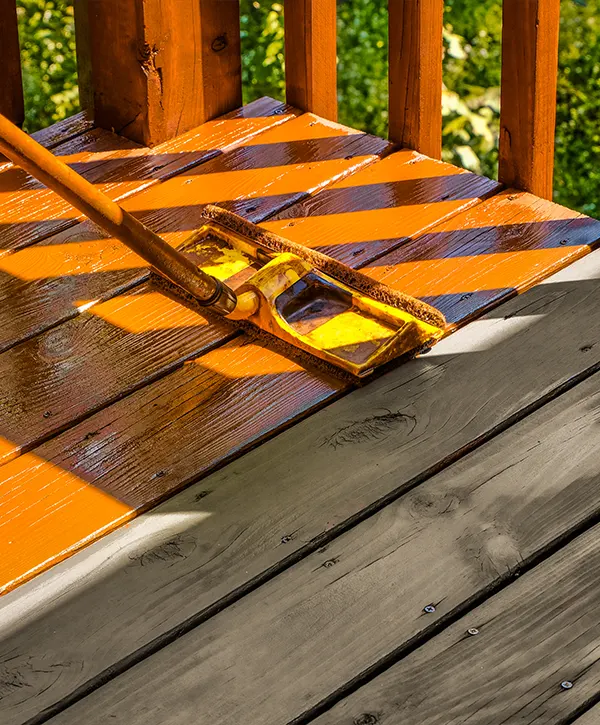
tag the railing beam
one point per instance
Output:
(415, 74)
(11, 84)
(310, 56)
(528, 99)
(162, 67)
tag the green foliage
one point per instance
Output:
(471, 95)
(47, 34)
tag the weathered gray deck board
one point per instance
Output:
(220, 535)
(288, 645)
(538, 633)
(591, 717)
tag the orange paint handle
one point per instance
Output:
(27, 153)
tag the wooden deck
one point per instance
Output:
(421, 550)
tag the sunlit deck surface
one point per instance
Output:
(196, 529)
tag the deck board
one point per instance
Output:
(539, 632)
(46, 283)
(458, 536)
(29, 212)
(246, 521)
(591, 717)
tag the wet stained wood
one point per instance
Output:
(415, 74)
(109, 342)
(11, 84)
(231, 528)
(58, 133)
(538, 633)
(530, 30)
(381, 207)
(125, 343)
(311, 56)
(48, 282)
(30, 212)
(463, 533)
(163, 67)
(478, 258)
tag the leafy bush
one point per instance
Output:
(471, 96)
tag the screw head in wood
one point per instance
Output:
(566, 685)
(429, 609)
(472, 631)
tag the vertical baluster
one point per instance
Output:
(528, 100)
(415, 74)
(310, 56)
(84, 61)
(161, 67)
(11, 85)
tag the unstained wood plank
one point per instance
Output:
(246, 520)
(30, 212)
(591, 717)
(538, 633)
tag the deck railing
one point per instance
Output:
(153, 69)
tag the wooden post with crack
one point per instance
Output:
(162, 67)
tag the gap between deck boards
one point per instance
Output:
(549, 350)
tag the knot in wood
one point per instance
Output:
(219, 43)
(367, 718)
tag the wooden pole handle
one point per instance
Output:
(107, 214)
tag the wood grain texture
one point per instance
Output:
(415, 74)
(126, 341)
(311, 56)
(163, 67)
(84, 59)
(30, 212)
(57, 134)
(478, 258)
(591, 717)
(381, 207)
(11, 85)
(240, 522)
(539, 632)
(296, 162)
(528, 97)
(47, 283)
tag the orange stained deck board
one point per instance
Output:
(381, 207)
(108, 342)
(475, 260)
(46, 283)
(30, 212)
(131, 454)
(58, 133)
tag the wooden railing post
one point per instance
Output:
(528, 99)
(311, 56)
(415, 74)
(162, 67)
(11, 84)
(84, 61)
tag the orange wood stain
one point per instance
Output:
(129, 455)
(504, 245)
(380, 207)
(259, 178)
(29, 212)
(130, 339)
